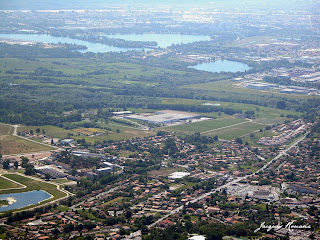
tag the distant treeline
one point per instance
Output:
(193, 108)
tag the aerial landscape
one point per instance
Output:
(160, 119)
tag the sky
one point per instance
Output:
(101, 4)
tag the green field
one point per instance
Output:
(230, 133)
(33, 185)
(5, 184)
(15, 145)
(205, 126)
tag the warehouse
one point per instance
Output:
(164, 117)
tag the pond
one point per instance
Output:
(222, 66)
(20, 200)
(163, 40)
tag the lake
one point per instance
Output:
(222, 66)
(92, 47)
(20, 200)
(163, 40)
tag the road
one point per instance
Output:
(75, 206)
(282, 153)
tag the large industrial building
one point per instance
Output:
(164, 117)
(261, 86)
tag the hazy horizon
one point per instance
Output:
(101, 4)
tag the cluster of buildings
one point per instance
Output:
(285, 132)
(158, 193)
(265, 192)
(260, 86)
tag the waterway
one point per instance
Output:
(163, 40)
(222, 66)
(92, 47)
(20, 200)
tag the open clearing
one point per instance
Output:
(4, 129)
(15, 145)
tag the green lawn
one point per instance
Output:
(62, 208)
(5, 184)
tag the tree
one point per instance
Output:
(24, 161)
(52, 141)
(0, 156)
(128, 214)
(16, 164)
(29, 169)
(47, 176)
(38, 130)
(238, 140)
(281, 104)
(6, 164)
